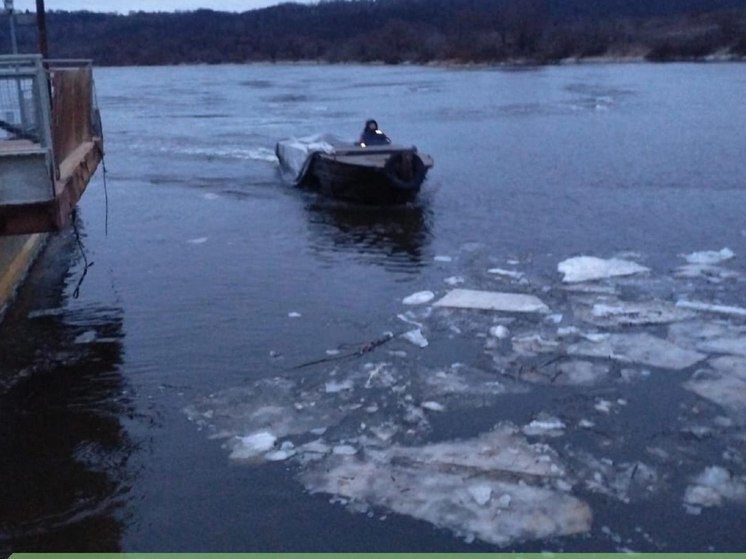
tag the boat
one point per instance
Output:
(381, 175)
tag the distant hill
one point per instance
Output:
(395, 31)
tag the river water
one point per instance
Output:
(166, 408)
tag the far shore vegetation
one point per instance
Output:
(402, 31)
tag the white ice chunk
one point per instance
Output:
(510, 274)
(334, 387)
(419, 298)
(481, 493)
(709, 256)
(614, 312)
(279, 455)
(416, 337)
(87, 337)
(451, 485)
(500, 332)
(589, 268)
(198, 241)
(715, 485)
(709, 307)
(638, 348)
(344, 450)
(492, 300)
(294, 314)
(433, 406)
(453, 281)
(443, 258)
(252, 446)
(545, 426)
(726, 385)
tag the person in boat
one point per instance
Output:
(373, 136)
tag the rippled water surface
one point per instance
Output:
(126, 413)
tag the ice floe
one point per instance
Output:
(712, 308)
(492, 300)
(638, 348)
(589, 268)
(495, 487)
(376, 434)
(419, 298)
(709, 256)
(713, 487)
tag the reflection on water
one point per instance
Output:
(395, 237)
(63, 443)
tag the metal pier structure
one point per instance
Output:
(50, 141)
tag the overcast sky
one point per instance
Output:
(125, 6)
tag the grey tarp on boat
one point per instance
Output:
(296, 154)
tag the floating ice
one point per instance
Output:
(510, 274)
(725, 384)
(500, 332)
(452, 485)
(87, 337)
(534, 343)
(442, 258)
(711, 337)
(198, 241)
(211, 196)
(416, 337)
(46, 312)
(589, 268)
(432, 406)
(252, 446)
(614, 312)
(419, 298)
(333, 387)
(714, 486)
(638, 348)
(453, 281)
(580, 373)
(709, 307)
(545, 426)
(492, 300)
(709, 256)
(294, 314)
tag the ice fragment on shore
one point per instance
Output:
(709, 256)
(492, 300)
(638, 348)
(589, 268)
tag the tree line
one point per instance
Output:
(397, 31)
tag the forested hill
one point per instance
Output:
(395, 31)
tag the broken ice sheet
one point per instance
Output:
(495, 487)
(724, 384)
(714, 486)
(711, 336)
(590, 268)
(276, 406)
(416, 337)
(492, 300)
(611, 311)
(419, 298)
(709, 256)
(638, 348)
(464, 386)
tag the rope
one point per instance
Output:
(81, 248)
(362, 350)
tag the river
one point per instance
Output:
(167, 408)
